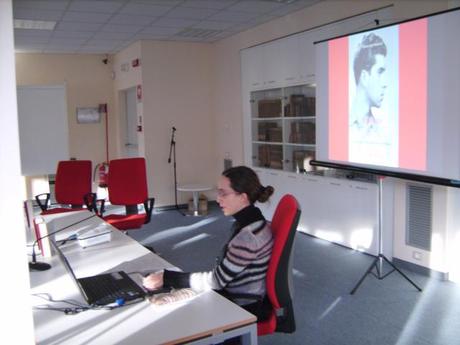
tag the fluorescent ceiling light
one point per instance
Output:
(34, 24)
(281, 1)
(198, 33)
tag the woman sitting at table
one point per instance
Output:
(240, 274)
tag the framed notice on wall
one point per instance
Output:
(88, 115)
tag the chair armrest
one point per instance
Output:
(101, 207)
(92, 203)
(148, 205)
(43, 202)
(246, 296)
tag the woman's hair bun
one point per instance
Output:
(265, 193)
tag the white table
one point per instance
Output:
(208, 318)
(195, 189)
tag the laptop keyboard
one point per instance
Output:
(106, 288)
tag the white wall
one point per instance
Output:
(176, 81)
(453, 234)
(445, 239)
(436, 258)
(88, 83)
(16, 310)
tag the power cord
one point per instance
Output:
(77, 307)
(62, 242)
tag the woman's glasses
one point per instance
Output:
(222, 193)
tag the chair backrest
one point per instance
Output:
(284, 226)
(127, 181)
(73, 181)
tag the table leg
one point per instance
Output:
(195, 203)
(247, 336)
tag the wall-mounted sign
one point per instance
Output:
(88, 115)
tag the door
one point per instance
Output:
(131, 144)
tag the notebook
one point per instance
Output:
(106, 288)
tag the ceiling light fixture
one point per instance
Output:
(34, 24)
(198, 33)
(287, 2)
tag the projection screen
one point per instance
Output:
(389, 98)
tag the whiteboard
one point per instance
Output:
(43, 128)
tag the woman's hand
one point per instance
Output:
(153, 281)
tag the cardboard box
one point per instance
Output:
(269, 107)
(302, 132)
(275, 134)
(264, 156)
(271, 156)
(299, 105)
(263, 130)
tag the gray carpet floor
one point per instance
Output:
(381, 312)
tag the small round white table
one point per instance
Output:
(195, 189)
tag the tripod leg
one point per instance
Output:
(401, 273)
(374, 263)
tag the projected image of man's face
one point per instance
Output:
(369, 72)
(377, 94)
(376, 81)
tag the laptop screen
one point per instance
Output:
(106, 288)
(69, 268)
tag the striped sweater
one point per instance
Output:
(244, 264)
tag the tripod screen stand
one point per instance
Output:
(377, 263)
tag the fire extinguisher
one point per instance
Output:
(102, 170)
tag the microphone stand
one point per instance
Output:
(172, 152)
(43, 266)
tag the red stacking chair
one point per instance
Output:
(72, 186)
(278, 280)
(127, 186)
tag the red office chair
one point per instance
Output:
(284, 226)
(72, 186)
(127, 186)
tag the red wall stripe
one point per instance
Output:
(338, 99)
(413, 94)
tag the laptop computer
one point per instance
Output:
(105, 288)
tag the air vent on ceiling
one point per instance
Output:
(198, 33)
(419, 216)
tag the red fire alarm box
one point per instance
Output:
(139, 92)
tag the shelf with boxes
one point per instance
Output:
(283, 123)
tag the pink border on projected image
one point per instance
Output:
(413, 95)
(338, 99)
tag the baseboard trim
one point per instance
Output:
(398, 262)
(443, 276)
(170, 207)
(211, 203)
(335, 243)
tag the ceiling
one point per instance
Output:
(107, 26)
